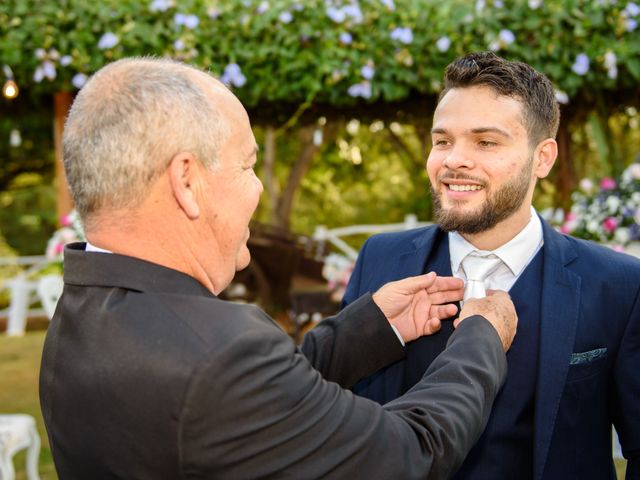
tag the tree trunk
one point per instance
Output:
(566, 174)
(302, 164)
(61, 105)
(269, 171)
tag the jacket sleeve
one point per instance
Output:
(257, 409)
(627, 392)
(354, 344)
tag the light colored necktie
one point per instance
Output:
(477, 270)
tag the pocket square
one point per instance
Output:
(586, 357)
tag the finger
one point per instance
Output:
(443, 311)
(432, 326)
(449, 296)
(496, 292)
(446, 283)
(420, 282)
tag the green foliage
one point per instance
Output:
(313, 52)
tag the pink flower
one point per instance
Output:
(608, 183)
(610, 224)
(65, 220)
(58, 248)
(618, 248)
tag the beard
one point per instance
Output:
(498, 206)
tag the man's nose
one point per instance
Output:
(458, 157)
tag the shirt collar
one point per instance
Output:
(516, 253)
(92, 248)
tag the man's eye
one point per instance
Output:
(487, 143)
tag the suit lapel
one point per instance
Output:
(558, 322)
(412, 262)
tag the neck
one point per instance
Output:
(502, 233)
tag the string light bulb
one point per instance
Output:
(10, 89)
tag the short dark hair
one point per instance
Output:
(541, 114)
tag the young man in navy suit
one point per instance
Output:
(574, 369)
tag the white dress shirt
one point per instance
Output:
(516, 254)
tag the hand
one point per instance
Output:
(415, 305)
(498, 309)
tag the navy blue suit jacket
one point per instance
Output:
(589, 357)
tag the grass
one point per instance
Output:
(19, 369)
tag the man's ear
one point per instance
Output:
(183, 177)
(544, 157)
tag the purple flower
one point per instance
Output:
(362, 89)
(346, 38)
(66, 60)
(160, 5)
(285, 17)
(178, 45)
(632, 9)
(610, 224)
(498, 3)
(108, 40)
(263, 7)
(389, 4)
(233, 75)
(403, 35)
(631, 24)
(48, 69)
(336, 14)
(581, 64)
(367, 72)
(353, 11)
(191, 21)
(637, 216)
(78, 80)
(607, 183)
(507, 36)
(443, 44)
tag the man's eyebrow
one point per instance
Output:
(497, 130)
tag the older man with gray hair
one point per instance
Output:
(147, 374)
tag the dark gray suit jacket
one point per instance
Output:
(146, 374)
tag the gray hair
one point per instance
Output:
(127, 123)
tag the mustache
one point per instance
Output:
(460, 176)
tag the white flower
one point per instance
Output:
(78, 80)
(581, 64)
(480, 4)
(108, 40)
(298, 7)
(362, 89)
(636, 217)
(15, 139)
(213, 13)
(494, 46)
(613, 203)
(403, 35)
(53, 54)
(40, 53)
(498, 3)
(178, 45)
(336, 14)
(586, 185)
(263, 7)
(633, 171)
(631, 24)
(507, 36)
(533, 4)
(285, 17)
(562, 97)
(367, 72)
(611, 64)
(179, 19)
(66, 60)
(443, 44)
(622, 235)
(346, 38)
(160, 5)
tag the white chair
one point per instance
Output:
(49, 289)
(18, 432)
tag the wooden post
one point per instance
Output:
(61, 104)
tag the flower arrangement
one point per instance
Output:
(337, 270)
(609, 212)
(70, 231)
